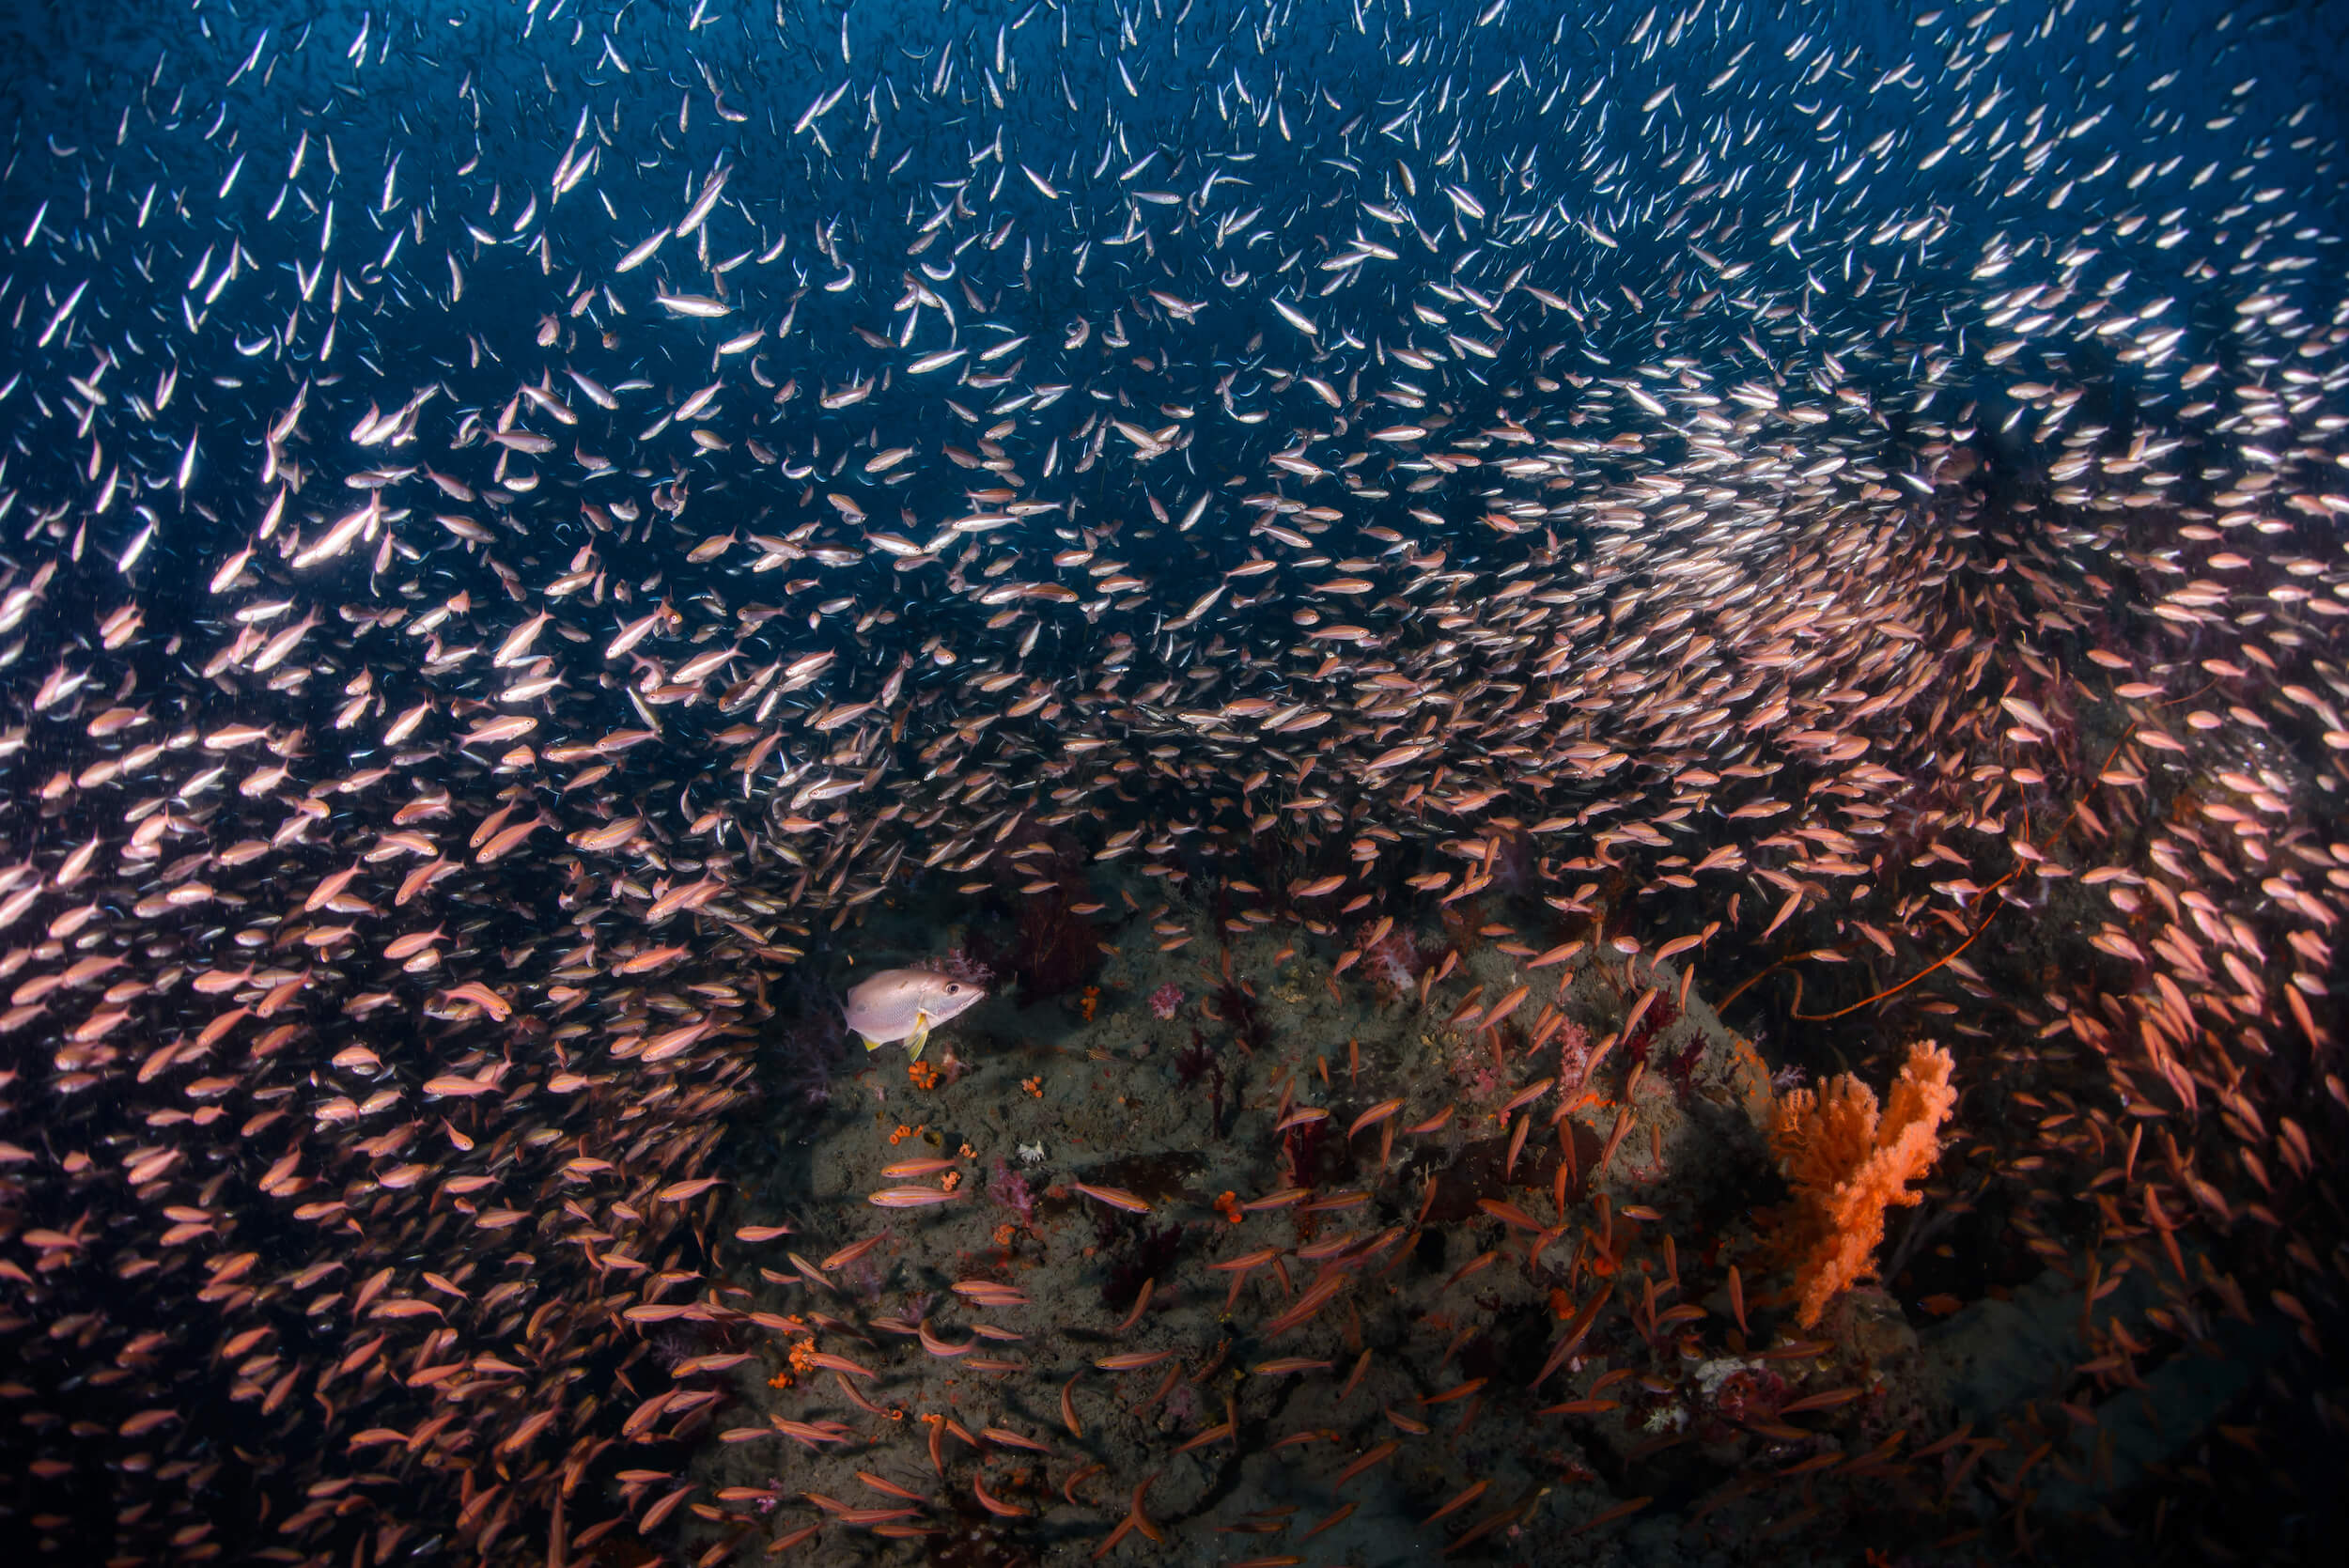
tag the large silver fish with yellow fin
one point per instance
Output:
(905, 1004)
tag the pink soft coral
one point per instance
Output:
(1165, 1000)
(1848, 1164)
(1390, 955)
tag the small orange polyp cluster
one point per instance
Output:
(801, 1363)
(924, 1074)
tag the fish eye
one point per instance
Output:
(954, 990)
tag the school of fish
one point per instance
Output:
(515, 531)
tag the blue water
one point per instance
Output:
(114, 118)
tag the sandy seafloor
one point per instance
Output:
(1180, 1111)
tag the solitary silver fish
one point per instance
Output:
(905, 1004)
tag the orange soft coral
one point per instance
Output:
(1847, 1164)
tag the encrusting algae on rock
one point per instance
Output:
(1848, 1164)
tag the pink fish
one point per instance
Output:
(910, 1197)
(1116, 1197)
